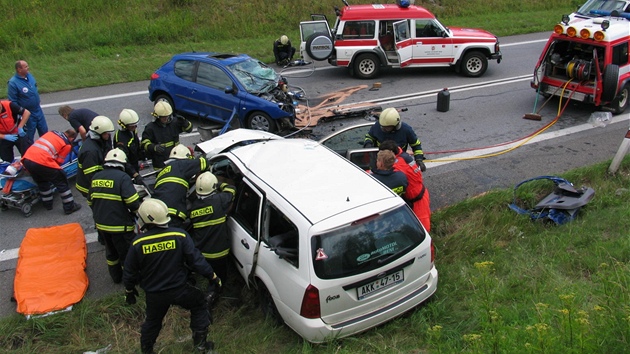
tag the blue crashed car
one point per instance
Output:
(214, 85)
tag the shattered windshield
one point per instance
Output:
(602, 7)
(254, 75)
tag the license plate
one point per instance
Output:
(380, 284)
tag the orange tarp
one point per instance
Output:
(50, 273)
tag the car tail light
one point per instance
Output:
(432, 252)
(310, 303)
(155, 76)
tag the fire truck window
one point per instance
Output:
(426, 28)
(620, 54)
(359, 30)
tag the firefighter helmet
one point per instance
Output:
(390, 118)
(128, 117)
(284, 39)
(162, 109)
(153, 211)
(101, 124)
(206, 183)
(180, 152)
(116, 155)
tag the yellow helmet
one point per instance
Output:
(390, 118)
(162, 109)
(206, 183)
(284, 39)
(128, 117)
(153, 211)
(101, 124)
(180, 152)
(116, 155)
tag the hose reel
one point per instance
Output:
(579, 69)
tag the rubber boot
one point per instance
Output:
(202, 345)
(115, 271)
(147, 349)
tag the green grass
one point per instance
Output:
(507, 285)
(78, 43)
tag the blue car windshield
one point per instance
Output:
(254, 75)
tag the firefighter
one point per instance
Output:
(44, 159)
(126, 138)
(390, 127)
(384, 172)
(114, 201)
(13, 118)
(92, 152)
(417, 195)
(283, 51)
(172, 182)
(208, 213)
(159, 260)
(160, 136)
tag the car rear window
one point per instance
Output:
(366, 244)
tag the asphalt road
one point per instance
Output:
(483, 112)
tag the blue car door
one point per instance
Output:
(207, 97)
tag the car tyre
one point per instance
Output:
(474, 64)
(261, 121)
(166, 98)
(268, 306)
(620, 103)
(366, 66)
(610, 83)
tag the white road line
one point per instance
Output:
(10, 254)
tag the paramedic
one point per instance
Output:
(12, 121)
(126, 138)
(417, 195)
(114, 202)
(80, 119)
(160, 136)
(92, 152)
(172, 182)
(283, 51)
(384, 172)
(208, 213)
(159, 260)
(44, 159)
(390, 127)
(22, 89)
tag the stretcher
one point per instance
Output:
(19, 190)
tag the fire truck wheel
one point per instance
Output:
(366, 66)
(620, 103)
(474, 64)
(610, 83)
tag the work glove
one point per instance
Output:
(214, 287)
(10, 137)
(130, 296)
(420, 163)
(138, 180)
(21, 132)
(159, 148)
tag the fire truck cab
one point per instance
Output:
(366, 38)
(588, 61)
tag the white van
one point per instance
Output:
(331, 251)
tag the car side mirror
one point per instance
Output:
(230, 90)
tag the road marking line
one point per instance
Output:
(10, 254)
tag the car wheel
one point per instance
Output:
(261, 121)
(267, 305)
(620, 103)
(474, 64)
(366, 66)
(27, 209)
(165, 98)
(610, 83)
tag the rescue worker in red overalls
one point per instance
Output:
(114, 202)
(44, 159)
(416, 195)
(172, 182)
(13, 118)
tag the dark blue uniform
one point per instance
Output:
(81, 117)
(404, 137)
(395, 180)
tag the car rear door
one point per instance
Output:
(404, 44)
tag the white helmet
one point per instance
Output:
(101, 124)
(206, 183)
(162, 109)
(284, 39)
(153, 211)
(390, 118)
(116, 155)
(128, 117)
(180, 152)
